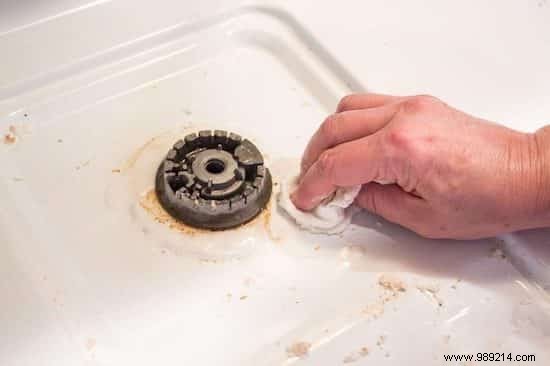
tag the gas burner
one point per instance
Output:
(213, 180)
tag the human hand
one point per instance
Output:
(452, 175)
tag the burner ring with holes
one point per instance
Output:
(213, 180)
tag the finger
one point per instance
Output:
(351, 163)
(393, 204)
(363, 101)
(346, 126)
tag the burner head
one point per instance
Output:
(213, 180)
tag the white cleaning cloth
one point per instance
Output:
(332, 216)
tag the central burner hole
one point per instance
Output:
(215, 166)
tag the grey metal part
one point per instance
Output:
(213, 180)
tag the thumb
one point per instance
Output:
(393, 204)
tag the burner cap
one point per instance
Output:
(213, 180)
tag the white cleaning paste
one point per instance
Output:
(332, 216)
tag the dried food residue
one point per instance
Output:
(432, 292)
(391, 283)
(14, 134)
(356, 356)
(83, 165)
(298, 349)
(380, 341)
(393, 287)
(151, 204)
(10, 138)
(149, 201)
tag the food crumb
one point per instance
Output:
(454, 285)
(244, 297)
(381, 340)
(83, 165)
(432, 292)
(298, 349)
(10, 138)
(115, 171)
(350, 358)
(374, 310)
(391, 283)
(317, 247)
(355, 356)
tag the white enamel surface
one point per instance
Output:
(88, 277)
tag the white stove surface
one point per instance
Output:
(94, 273)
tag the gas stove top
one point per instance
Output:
(96, 271)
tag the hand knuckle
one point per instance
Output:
(419, 103)
(326, 163)
(399, 138)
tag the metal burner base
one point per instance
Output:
(213, 180)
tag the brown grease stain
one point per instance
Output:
(137, 154)
(266, 216)
(149, 201)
